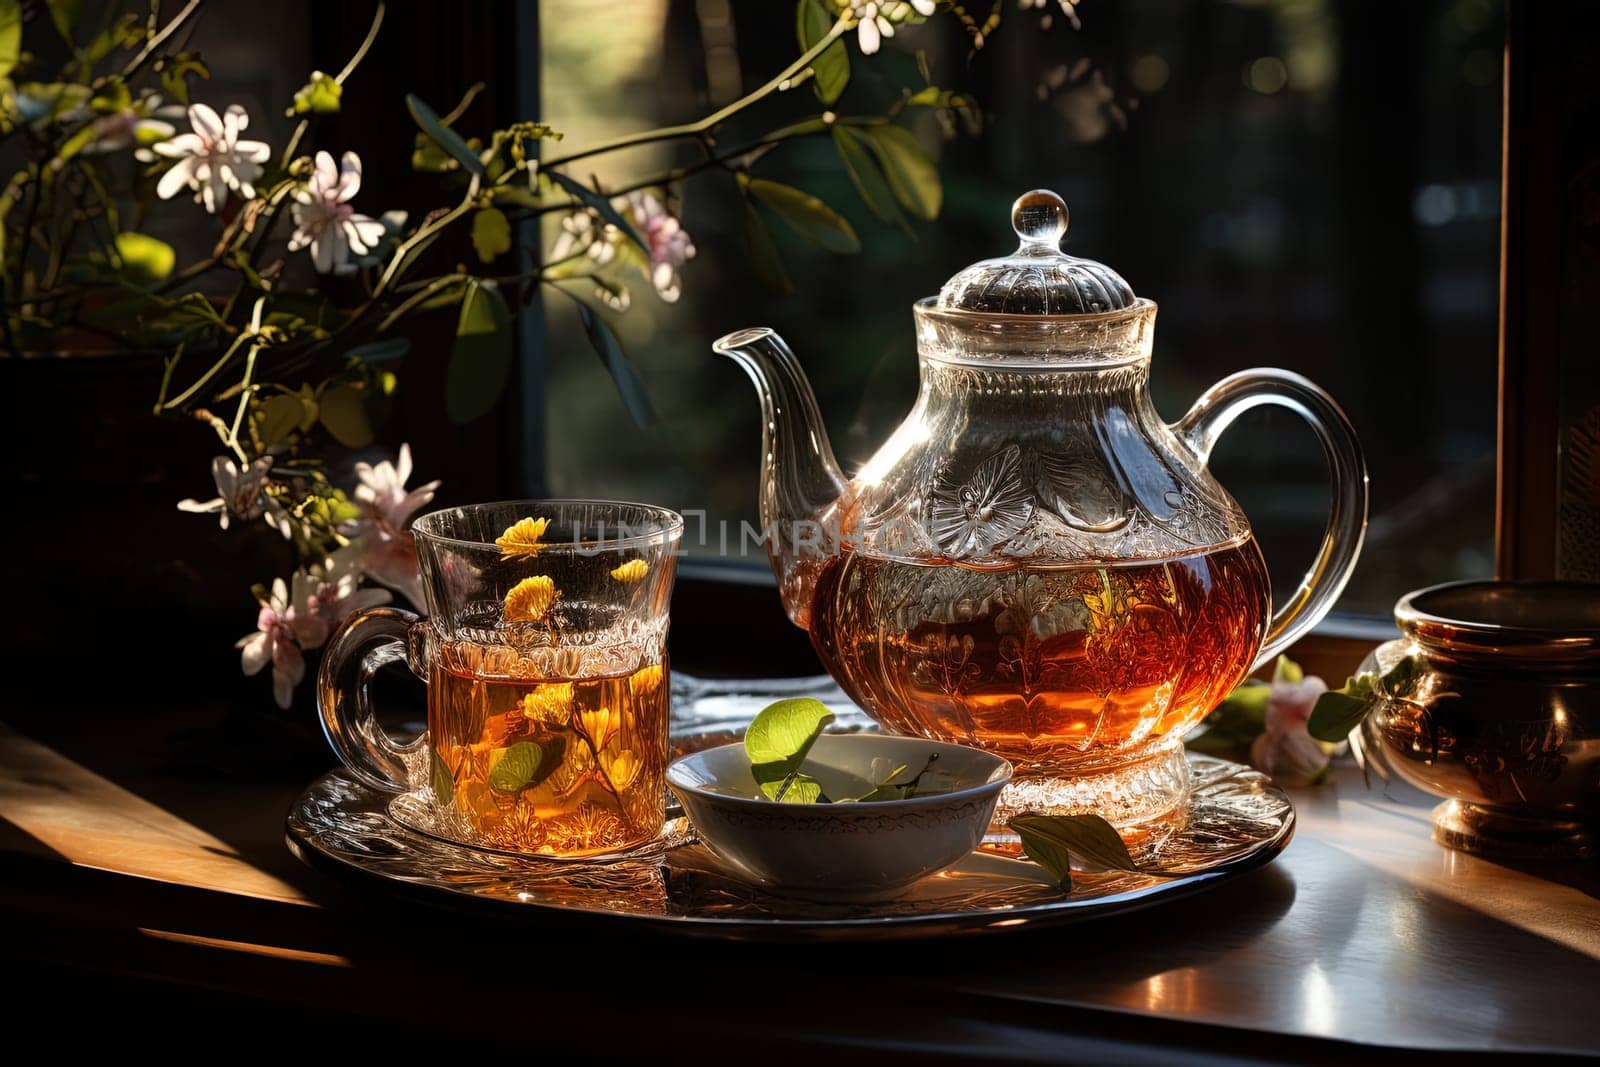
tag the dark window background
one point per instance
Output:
(1299, 183)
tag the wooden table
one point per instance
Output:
(144, 866)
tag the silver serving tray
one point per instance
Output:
(1235, 821)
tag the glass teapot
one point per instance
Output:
(1034, 562)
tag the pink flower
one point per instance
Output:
(300, 616)
(1285, 750)
(241, 495)
(286, 624)
(324, 219)
(388, 551)
(669, 243)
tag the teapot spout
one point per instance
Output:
(802, 488)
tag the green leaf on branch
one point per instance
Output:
(10, 36)
(175, 71)
(443, 136)
(866, 176)
(618, 365)
(318, 96)
(112, 96)
(601, 205)
(1287, 670)
(480, 358)
(807, 215)
(830, 70)
(343, 411)
(125, 33)
(384, 351)
(765, 262)
(64, 14)
(145, 260)
(778, 740)
(279, 416)
(1335, 715)
(491, 234)
(913, 178)
(1052, 841)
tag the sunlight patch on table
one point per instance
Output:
(96, 823)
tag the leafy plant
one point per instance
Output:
(1339, 711)
(110, 127)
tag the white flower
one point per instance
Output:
(324, 219)
(583, 234)
(240, 495)
(1069, 9)
(669, 243)
(387, 550)
(212, 160)
(875, 19)
(335, 591)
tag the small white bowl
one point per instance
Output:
(858, 851)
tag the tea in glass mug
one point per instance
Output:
(544, 651)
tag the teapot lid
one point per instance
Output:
(1038, 278)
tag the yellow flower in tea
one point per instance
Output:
(622, 768)
(530, 599)
(599, 724)
(521, 538)
(645, 680)
(632, 571)
(548, 702)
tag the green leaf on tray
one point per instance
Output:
(480, 358)
(778, 740)
(440, 778)
(831, 69)
(1053, 841)
(513, 769)
(809, 216)
(442, 135)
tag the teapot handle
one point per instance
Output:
(1215, 411)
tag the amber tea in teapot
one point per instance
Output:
(1035, 562)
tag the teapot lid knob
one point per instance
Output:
(1038, 278)
(1040, 218)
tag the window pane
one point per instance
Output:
(1297, 183)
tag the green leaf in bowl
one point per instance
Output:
(779, 739)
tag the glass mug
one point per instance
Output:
(545, 656)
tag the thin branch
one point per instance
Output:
(361, 53)
(784, 80)
(159, 39)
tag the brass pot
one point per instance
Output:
(1498, 713)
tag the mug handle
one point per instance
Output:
(366, 641)
(1215, 411)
